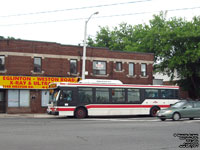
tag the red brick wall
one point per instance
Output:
(23, 65)
(53, 65)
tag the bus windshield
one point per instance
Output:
(53, 95)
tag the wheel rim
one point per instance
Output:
(176, 116)
(154, 111)
(80, 113)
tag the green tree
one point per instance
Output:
(175, 43)
(8, 38)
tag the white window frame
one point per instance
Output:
(118, 66)
(100, 70)
(37, 63)
(72, 61)
(131, 68)
(2, 60)
(143, 70)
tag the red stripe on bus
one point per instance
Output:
(126, 85)
(65, 109)
(124, 106)
(111, 106)
(52, 109)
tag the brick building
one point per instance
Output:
(43, 62)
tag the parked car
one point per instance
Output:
(181, 109)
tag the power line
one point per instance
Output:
(70, 9)
(141, 13)
(117, 15)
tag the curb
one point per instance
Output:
(27, 116)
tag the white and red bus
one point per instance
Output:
(109, 97)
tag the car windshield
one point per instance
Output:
(179, 104)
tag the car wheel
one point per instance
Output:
(162, 119)
(80, 113)
(191, 118)
(176, 116)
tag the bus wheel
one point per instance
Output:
(80, 113)
(153, 111)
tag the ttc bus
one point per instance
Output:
(92, 97)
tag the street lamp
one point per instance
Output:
(84, 46)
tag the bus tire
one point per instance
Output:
(154, 110)
(80, 112)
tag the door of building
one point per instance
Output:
(2, 102)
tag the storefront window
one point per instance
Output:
(45, 98)
(18, 98)
(24, 96)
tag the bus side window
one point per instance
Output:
(118, 95)
(151, 93)
(167, 93)
(85, 95)
(102, 95)
(133, 95)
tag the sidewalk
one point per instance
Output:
(27, 116)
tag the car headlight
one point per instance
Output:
(168, 111)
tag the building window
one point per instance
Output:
(45, 98)
(99, 67)
(18, 98)
(131, 69)
(73, 66)
(144, 70)
(118, 66)
(37, 64)
(2, 63)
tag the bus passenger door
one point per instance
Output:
(67, 97)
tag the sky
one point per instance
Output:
(63, 21)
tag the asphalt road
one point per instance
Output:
(134, 133)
